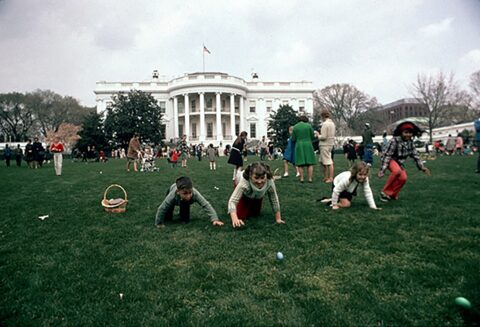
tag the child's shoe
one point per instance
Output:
(384, 197)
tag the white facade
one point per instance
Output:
(218, 105)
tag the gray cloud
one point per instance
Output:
(67, 46)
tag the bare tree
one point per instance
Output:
(475, 87)
(52, 109)
(439, 94)
(345, 102)
(49, 114)
(15, 116)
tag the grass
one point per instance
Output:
(400, 266)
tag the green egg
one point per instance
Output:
(463, 302)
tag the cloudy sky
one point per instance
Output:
(378, 46)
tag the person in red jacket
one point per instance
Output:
(57, 149)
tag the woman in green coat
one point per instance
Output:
(304, 156)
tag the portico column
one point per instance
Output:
(309, 106)
(202, 117)
(242, 115)
(186, 128)
(219, 118)
(232, 116)
(276, 104)
(175, 117)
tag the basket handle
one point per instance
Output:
(114, 185)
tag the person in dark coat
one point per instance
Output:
(236, 151)
(38, 153)
(18, 155)
(29, 154)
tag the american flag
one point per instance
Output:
(205, 49)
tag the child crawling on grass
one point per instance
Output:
(183, 194)
(246, 200)
(345, 187)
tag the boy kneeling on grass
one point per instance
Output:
(183, 194)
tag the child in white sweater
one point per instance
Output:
(345, 187)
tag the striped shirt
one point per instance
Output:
(246, 188)
(399, 150)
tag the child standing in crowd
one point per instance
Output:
(246, 199)
(235, 157)
(398, 149)
(57, 149)
(212, 157)
(183, 194)
(289, 154)
(173, 157)
(345, 187)
(350, 152)
(184, 151)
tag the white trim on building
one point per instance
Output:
(213, 107)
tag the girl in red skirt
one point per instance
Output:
(246, 200)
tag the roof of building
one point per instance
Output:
(400, 102)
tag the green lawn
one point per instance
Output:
(358, 267)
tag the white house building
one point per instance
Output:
(214, 107)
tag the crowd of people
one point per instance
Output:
(255, 181)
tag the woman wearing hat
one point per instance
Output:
(398, 149)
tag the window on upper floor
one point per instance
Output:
(163, 106)
(301, 105)
(252, 105)
(269, 105)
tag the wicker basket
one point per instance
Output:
(117, 206)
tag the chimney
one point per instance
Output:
(155, 74)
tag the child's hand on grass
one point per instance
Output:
(237, 222)
(160, 226)
(217, 223)
(279, 221)
(335, 207)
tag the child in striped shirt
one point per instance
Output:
(246, 200)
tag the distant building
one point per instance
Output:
(214, 107)
(401, 109)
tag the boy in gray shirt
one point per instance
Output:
(183, 194)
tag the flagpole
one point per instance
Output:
(203, 52)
